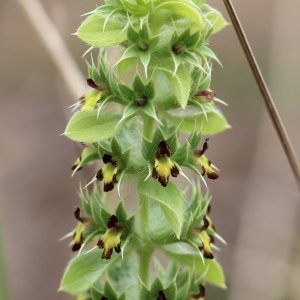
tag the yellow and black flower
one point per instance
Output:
(111, 239)
(200, 295)
(89, 100)
(205, 163)
(78, 234)
(86, 152)
(163, 165)
(108, 173)
(76, 163)
(206, 239)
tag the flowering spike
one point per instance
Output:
(134, 118)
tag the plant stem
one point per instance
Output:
(275, 117)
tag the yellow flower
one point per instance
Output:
(108, 173)
(111, 239)
(206, 248)
(89, 100)
(206, 238)
(78, 233)
(163, 165)
(86, 152)
(205, 163)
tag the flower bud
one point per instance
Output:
(205, 96)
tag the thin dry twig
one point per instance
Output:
(55, 46)
(275, 117)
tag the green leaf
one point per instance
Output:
(209, 53)
(149, 110)
(180, 83)
(88, 128)
(123, 276)
(96, 32)
(217, 20)
(182, 154)
(185, 10)
(213, 123)
(115, 147)
(145, 60)
(83, 271)
(182, 254)
(183, 282)
(109, 291)
(216, 122)
(127, 65)
(169, 198)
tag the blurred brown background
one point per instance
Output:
(255, 205)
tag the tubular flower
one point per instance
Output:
(163, 165)
(206, 239)
(108, 173)
(76, 163)
(89, 100)
(86, 152)
(78, 234)
(205, 162)
(161, 295)
(111, 239)
(205, 96)
(200, 295)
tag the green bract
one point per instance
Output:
(143, 120)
